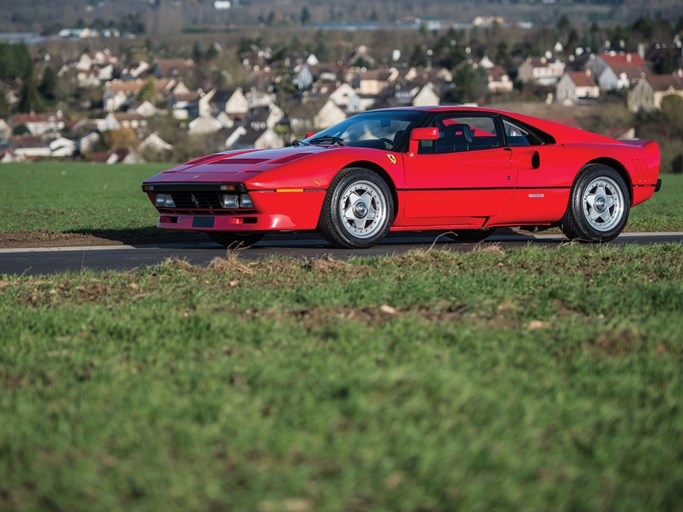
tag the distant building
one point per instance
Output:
(540, 71)
(498, 81)
(615, 71)
(575, 87)
(651, 89)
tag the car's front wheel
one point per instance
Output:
(357, 210)
(234, 240)
(598, 206)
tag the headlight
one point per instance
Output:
(164, 201)
(245, 201)
(230, 201)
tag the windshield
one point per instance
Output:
(379, 130)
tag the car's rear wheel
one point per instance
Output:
(357, 210)
(598, 207)
(470, 235)
(234, 240)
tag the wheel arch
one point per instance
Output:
(619, 167)
(376, 168)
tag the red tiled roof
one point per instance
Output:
(581, 79)
(632, 59)
(664, 82)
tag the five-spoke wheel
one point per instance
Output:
(598, 207)
(358, 209)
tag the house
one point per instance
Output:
(130, 120)
(117, 156)
(616, 70)
(173, 68)
(145, 109)
(303, 79)
(62, 147)
(346, 98)
(328, 115)
(39, 124)
(5, 130)
(247, 138)
(258, 98)
(540, 71)
(87, 143)
(204, 125)
(261, 118)
(373, 82)
(110, 122)
(575, 87)
(651, 89)
(154, 147)
(232, 102)
(121, 93)
(498, 81)
(30, 147)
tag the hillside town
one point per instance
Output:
(107, 106)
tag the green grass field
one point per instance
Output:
(98, 199)
(534, 379)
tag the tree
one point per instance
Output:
(30, 100)
(148, 92)
(470, 84)
(4, 106)
(123, 138)
(305, 16)
(48, 85)
(418, 57)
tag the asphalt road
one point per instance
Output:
(126, 257)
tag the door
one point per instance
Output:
(463, 177)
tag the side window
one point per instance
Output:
(518, 136)
(466, 133)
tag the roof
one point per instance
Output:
(581, 79)
(630, 59)
(375, 74)
(497, 72)
(664, 82)
(173, 67)
(35, 118)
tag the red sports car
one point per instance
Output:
(458, 169)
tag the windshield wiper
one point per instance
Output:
(297, 143)
(328, 139)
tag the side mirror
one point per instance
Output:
(309, 135)
(419, 134)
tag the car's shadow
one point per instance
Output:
(154, 237)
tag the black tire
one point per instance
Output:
(599, 205)
(346, 222)
(234, 240)
(470, 235)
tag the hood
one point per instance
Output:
(235, 165)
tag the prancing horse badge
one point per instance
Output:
(391, 158)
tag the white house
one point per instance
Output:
(651, 89)
(575, 86)
(616, 70)
(62, 147)
(247, 138)
(426, 96)
(540, 70)
(204, 125)
(328, 115)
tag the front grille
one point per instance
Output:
(196, 200)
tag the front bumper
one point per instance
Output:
(273, 211)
